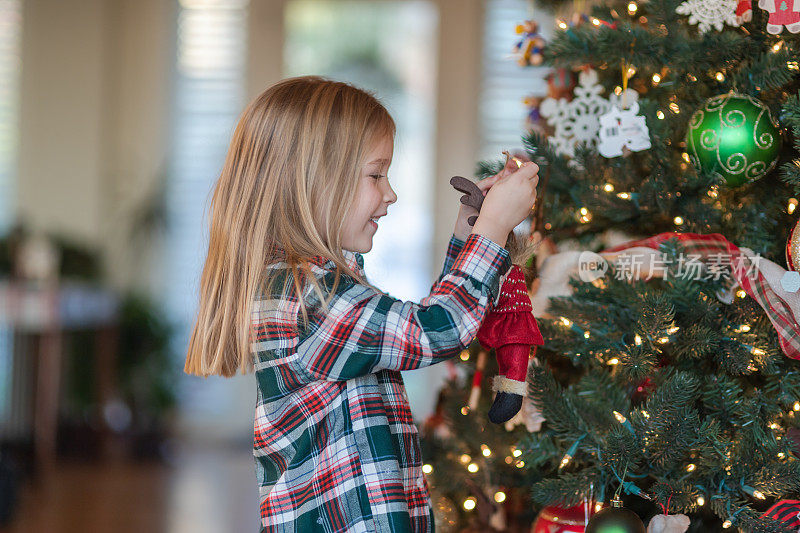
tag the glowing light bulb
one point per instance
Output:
(663, 340)
(741, 294)
(426, 468)
(464, 355)
(727, 523)
(792, 65)
(673, 329)
(565, 461)
(598, 506)
(691, 467)
(757, 351)
(465, 459)
(796, 406)
(485, 450)
(520, 464)
(685, 157)
(618, 90)
(608, 187)
(792, 205)
(562, 24)
(566, 321)
(656, 79)
(701, 501)
(781, 455)
(774, 425)
(758, 494)
(777, 46)
(744, 328)
(499, 496)
(712, 192)
(637, 340)
(620, 417)
(632, 7)
(469, 503)
(678, 221)
(623, 195)
(645, 414)
(674, 108)
(719, 76)
(595, 21)
(587, 334)
(660, 114)
(516, 453)
(613, 361)
(465, 410)
(472, 468)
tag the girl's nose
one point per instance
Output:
(389, 195)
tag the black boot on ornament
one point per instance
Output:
(508, 401)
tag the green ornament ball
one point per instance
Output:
(615, 519)
(735, 137)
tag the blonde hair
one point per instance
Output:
(288, 181)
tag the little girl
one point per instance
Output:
(283, 292)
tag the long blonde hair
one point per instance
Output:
(288, 181)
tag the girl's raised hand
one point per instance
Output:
(508, 202)
(463, 229)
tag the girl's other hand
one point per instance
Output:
(463, 229)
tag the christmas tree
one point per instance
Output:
(670, 371)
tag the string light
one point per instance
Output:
(562, 24)
(744, 328)
(741, 294)
(792, 65)
(727, 523)
(465, 459)
(796, 406)
(520, 464)
(691, 467)
(469, 503)
(485, 450)
(598, 506)
(757, 351)
(472, 468)
(464, 355)
(516, 453)
(620, 417)
(781, 455)
(673, 329)
(618, 90)
(674, 108)
(587, 334)
(566, 321)
(595, 21)
(645, 414)
(663, 340)
(509, 460)
(465, 410)
(608, 187)
(632, 7)
(631, 71)
(656, 78)
(678, 221)
(637, 340)
(623, 195)
(565, 461)
(777, 46)
(691, 77)
(712, 192)
(758, 494)
(660, 114)
(426, 468)
(499, 496)
(720, 76)
(774, 425)
(701, 501)
(613, 361)
(685, 157)
(792, 205)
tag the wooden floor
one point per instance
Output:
(207, 490)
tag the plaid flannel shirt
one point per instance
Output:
(335, 445)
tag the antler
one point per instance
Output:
(473, 196)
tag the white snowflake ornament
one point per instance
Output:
(622, 128)
(710, 13)
(578, 120)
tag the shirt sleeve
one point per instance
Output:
(365, 331)
(453, 248)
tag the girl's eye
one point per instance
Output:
(376, 176)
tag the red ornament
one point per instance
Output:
(511, 330)
(554, 519)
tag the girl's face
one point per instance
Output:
(373, 197)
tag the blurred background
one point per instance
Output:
(115, 116)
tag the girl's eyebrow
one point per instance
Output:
(381, 161)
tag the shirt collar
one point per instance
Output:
(354, 260)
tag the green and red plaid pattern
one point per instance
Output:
(335, 445)
(744, 272)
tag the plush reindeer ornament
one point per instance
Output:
(509, 327)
